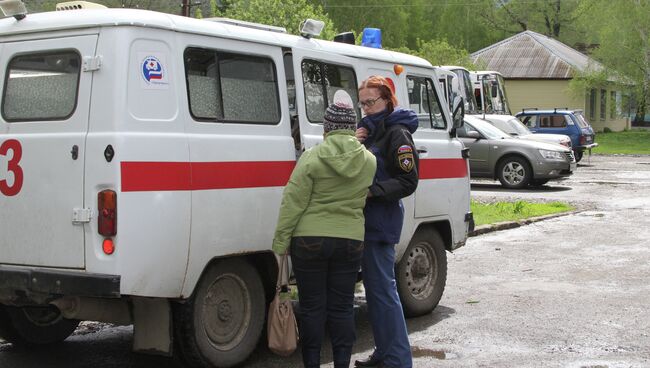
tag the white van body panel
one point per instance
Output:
(36, 222)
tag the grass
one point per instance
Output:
(489, 213)
(629, 142)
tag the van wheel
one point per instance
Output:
(221, 323)
(421, 274)
(578, 155)
(514, 172)
(30, 326)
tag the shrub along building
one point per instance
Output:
(538, 70)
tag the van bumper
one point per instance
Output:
(24, 284)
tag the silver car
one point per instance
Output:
(517, 163)
(516, 128)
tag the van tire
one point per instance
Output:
(33, 326)
(421, 274)
(514, 172)
(220, 325)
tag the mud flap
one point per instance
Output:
(152, 327)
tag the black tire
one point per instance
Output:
(539, 182)
(220, 325)
(33, 326)
(514, 172)
(421, 274)
(578, 155)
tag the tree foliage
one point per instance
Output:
(439, 53)
(622, 29)
(283, 13)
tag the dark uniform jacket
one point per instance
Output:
(390, 140)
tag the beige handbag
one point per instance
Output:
(282, 325)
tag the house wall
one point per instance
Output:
(548, 94)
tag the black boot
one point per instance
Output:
(370, 361)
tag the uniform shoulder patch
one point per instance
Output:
(404, 149)
(405, 157)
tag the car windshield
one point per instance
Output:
(487, 129)
(512, 127)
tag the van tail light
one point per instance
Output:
(107, 208)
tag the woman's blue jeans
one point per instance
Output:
(326, 272)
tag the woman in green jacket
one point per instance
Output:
(321, 222)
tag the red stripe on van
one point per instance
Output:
(443, 168)
(160, 176)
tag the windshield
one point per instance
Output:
(502, 93)
(518, 127)
(466, 86)
(486, 129)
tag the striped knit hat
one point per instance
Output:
(340, 114)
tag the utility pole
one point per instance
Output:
(185, 8)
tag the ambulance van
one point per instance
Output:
(142, 162)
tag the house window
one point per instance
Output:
(603, 104)
(592, 104)
(613, 106)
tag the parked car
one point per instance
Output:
(516, 163)
(516, 128)
(562, 121)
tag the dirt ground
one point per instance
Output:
(571, 292)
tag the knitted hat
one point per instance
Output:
(340, 114)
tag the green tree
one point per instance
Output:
(623, 31)
(439, 52)
(283, 13)
(554, 18)
(401, 24)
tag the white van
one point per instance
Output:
(142, 162)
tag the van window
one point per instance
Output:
(41, 86)
(529, 121)
(424, 101)
(321, 81)
(227, 87)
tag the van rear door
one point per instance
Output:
(43, 125)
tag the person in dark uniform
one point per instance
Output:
(386, 131)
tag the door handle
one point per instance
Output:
(422, 151)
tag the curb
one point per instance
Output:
(484, 229)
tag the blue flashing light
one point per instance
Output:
(371, 38)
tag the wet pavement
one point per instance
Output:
(571, 291)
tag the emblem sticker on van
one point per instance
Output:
(12, 167)
(152, 70)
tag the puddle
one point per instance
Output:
(419, 352)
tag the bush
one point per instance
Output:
(607, 130)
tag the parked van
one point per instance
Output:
(142, 162)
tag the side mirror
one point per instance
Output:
(459, 112)
(473, 134)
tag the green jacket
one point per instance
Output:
(326, 193)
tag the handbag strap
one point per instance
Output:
(284, 269)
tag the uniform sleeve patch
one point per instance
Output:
(404, 149)
(406, 161)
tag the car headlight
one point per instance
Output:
(552, 155)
